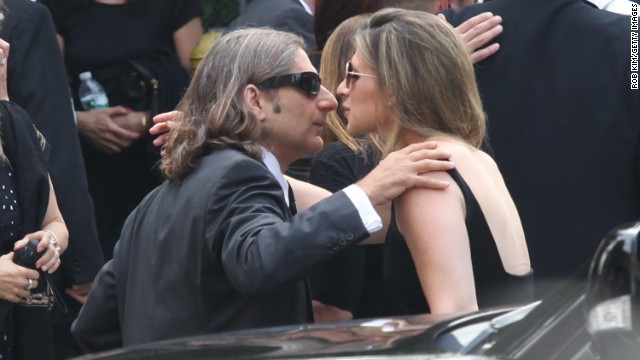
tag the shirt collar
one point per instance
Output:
(306, 6)
(274, 168)
(600, 3)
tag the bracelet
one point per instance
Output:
(54, 240)
(144, 121)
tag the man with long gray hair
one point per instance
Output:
(218, 246)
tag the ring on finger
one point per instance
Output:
(3, 61)
(30, 284)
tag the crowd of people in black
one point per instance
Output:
(326, 160)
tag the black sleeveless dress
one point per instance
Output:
(494, 286)
(25, 328)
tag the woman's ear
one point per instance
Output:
(392, 100)
(254, 99)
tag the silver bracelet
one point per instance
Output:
(54, 240)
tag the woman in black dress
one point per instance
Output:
(461, 248)
(105, 37)
(28, 211)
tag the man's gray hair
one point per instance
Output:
(215, 115)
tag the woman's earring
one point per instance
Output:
(389, 103)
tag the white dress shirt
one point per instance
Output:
(617, 6)
(370, 218)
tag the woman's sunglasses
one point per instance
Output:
(308, 81)
(351, 76)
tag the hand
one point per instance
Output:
(477, 32)
(404, 169)
(132, 121)
(79, 292)
(163, 123)
(98, 127)
(4, 56)
(50, 259)
(329, 313)
(14, 279)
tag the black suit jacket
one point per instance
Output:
(218, 252)
(563, 123)
(37, 82)
(285, 15)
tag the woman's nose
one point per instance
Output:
(342, 89)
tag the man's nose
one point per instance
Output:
(326, 101)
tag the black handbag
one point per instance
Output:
(151, 83)
(139, 88)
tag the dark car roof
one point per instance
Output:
(366, 339)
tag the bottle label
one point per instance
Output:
(95, 101)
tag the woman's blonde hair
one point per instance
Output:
(339, 49)
(421, 61)
(215, 115)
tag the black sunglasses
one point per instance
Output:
(308, 81)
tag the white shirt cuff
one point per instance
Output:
(370, 218)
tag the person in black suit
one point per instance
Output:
(40, 87)
(563, 124)
(218, 246)
(295, 16)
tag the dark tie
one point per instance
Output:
(292, 202)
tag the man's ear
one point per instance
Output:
(455, 4)
(255, 100)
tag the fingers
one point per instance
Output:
(425, 181)
(168, 116)
(116, 111)
(20, 244)
(30, 283)
(28, 273)
(23, 292)
(479, 19)
(15, 281)
(5, 48)
(117, 139)
(76, 296)
(479, 31)
(43, 242)
(434, 165)
(50, 260)
(4, 58)
(477, 40)
(25, 281)
(79, 292)
(429, 154)
(82, 289)
(121, 132)
(160, 140)
(482, 54)
(425, 145)
(162, 127)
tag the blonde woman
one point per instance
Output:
(411, 80)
